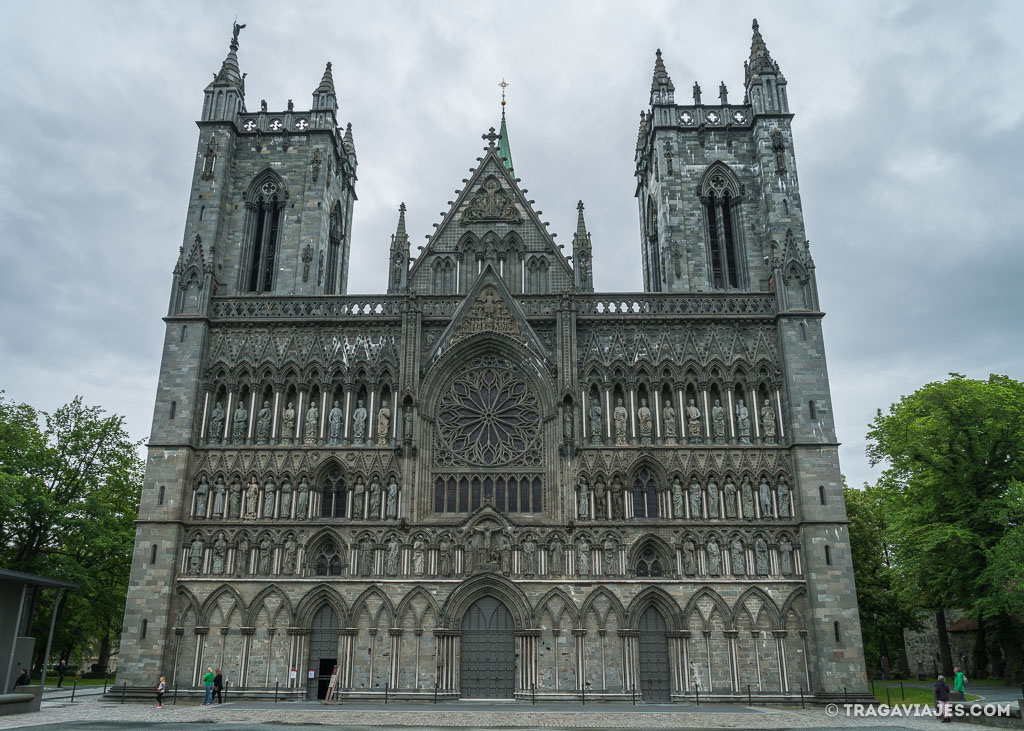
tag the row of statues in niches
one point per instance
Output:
(694, 502)
(310, 426)
(735, 556)
(375, 499)
(622, 429)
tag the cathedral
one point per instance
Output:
(492, 481)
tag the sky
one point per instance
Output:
(908, 124)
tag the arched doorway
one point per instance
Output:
(654, 668)
(488, 651)
(323, 650)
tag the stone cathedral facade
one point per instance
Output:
(491, 481)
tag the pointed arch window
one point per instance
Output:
(720, 199)
(648, 563)
(328, 563)
(645, 495)
(653, 248)
(334, 258)
(265, 203)
(333, 495)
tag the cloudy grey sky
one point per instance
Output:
(908, 129)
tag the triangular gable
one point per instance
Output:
(489, 309)
(491, 195)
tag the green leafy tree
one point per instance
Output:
(69, 495)
(954, 452)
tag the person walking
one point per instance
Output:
(160, 688)
(208, 687)
(942, 699)
(218, 686)
(960, 683)
(62, 670)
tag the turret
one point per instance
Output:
(662, 89)
(397, 274)
(582, 254)
(765, 85)
(225, 95)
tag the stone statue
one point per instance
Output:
(761, 557)
(583, 497)
(286, 499)
(689, 558)
(695, 507)
(269, 498)
(290, 551)
(252, 499)
(407, 428)
(242, 555)
(391, 551)
(782, 495)
(730, 498)
(359, 499)
(444, 557)
(266, 549)
(645, 422)
(235, 499)
(618, 509)
(668, 416)
(556, 558)
(219, 489)
(610, 556)
(529, 567)
(202, 494)
(263, 424)
(714, 559)
(678, 501)
(765, 494)
(375, 497)
(620, 416)
(567, 426)
(506, 556)
(238, 424)
(739, 561)
(785, 556)
(383, 425)
(712, 498)
(392, 506)
(596, 424)
(358, 424)
(216, 424)
(583, 557)
(693, 423)
(768, 422)
(743, 422)
(419, 556)
(698, 683)
(288, 424)
(718, 422)
(312, 422)
(600, 501)
(334, 419)
(366, 557)
(747, 496)
(195, 555)
(484, 549)
(302, 504)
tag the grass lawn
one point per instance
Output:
(922, 696)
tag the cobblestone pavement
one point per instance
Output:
(95, 715)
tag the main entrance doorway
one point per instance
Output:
(323, 650)
(654, 669)
(488, 651)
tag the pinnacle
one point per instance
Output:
(230, 74)
(661, 77)
(327, 82)
(581, 226)
(400, 232)
(760, 59)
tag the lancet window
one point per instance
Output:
(265, 203)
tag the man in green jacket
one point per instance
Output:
(960, 683)
(208, 684)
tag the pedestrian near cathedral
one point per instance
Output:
(960, 683)
(62, 670)
(942, 699)
(208, 687)
(218, 687)
(160, 688)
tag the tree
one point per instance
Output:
(955, 452)
(884, 612)
(69, 495)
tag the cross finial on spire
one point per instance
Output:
(504, 85)
(491, 137)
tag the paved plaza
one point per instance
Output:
(96, 715)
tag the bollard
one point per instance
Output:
(846, 698)
(749, 702)
(73, 689)
(584, 688)
(696, 690)
(634, 694)
(435, 692)
(902, 694)
(277, 684)
(872, 686)
(802, 706)
(533, 693)
(104, 682)
(175, 701)
(224, 691)
(124, 689)
(385, 694)
(888, 701)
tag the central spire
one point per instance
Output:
(504, 151)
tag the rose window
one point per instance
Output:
(488, 417)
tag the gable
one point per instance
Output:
(491, 221)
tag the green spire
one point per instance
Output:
(504, 151)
